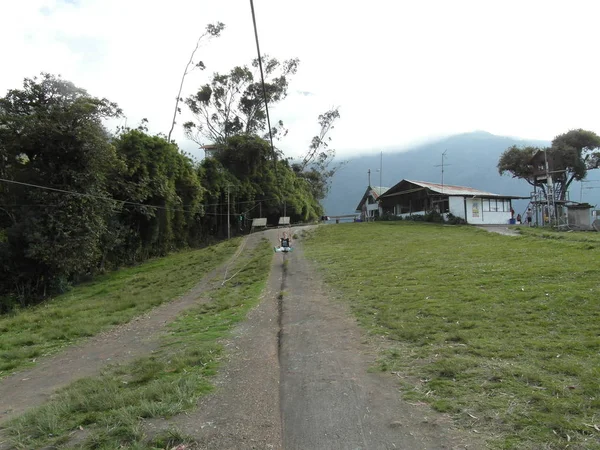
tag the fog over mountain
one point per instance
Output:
(471, 160)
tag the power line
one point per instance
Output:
(98, 197)
(124, 202)
(262, 78)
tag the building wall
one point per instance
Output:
(477, 214)
(373, 210)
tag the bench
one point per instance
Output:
(262, 222)
(284, 221)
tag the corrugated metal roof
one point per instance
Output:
(379, 190)
(449, 189)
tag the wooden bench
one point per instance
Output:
(284, 221)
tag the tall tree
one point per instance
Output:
(233, 103)
(317, 166)
(163, 193)
(51, 135)
(573, 154)
(212, 30)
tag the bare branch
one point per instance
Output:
(212, 30)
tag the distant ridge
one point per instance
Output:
(471, 161)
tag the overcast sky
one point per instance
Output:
(400, 70)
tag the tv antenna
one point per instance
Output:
(442, 165)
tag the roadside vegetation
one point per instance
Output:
(107, 412)
(501, 332)
(109, 300)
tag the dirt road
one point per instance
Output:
(329, 399)
(297, 377)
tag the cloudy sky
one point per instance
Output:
(400, 70)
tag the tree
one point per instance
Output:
(163, 196)
(233, 103)
(211, 31)
(316, 166)
(51, 135)
(517, 162)
(573, 154)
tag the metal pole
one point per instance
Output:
(260, 209)
(284, 209)
(380, 168)
(228, 227)
(443, 156)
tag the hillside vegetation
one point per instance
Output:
(502, 332)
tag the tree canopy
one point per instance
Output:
(573, 153)
(76, 199)
(233, 103)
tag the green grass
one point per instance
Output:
(109, 300)
(591, 237)
(171, 381)
(502, 332)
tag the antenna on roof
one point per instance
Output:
(381, 169)
(442, 165)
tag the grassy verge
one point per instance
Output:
(109, 407)
(548, 233)
(503, 332)
(109, 300)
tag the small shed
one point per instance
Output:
(477, 207)
(579, 216)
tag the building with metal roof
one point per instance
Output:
(475, 206)
(369, 203)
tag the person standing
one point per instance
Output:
(529, 216)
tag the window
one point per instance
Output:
(496, 205)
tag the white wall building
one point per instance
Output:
(474, 206)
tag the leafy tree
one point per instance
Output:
(517, 161)
(233, 103)
(573, 154)
(51, 135)
(166, 191)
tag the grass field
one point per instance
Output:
(501, 332)
(109, 300)
(109, 408)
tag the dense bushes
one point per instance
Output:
(76, 199)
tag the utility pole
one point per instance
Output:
(380, 168)
(442, 166)
(228, 226)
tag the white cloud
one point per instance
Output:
(399, 70)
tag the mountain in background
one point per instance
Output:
(471, 160)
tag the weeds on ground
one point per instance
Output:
(109, 300)
(503, 332)
(110, 406)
